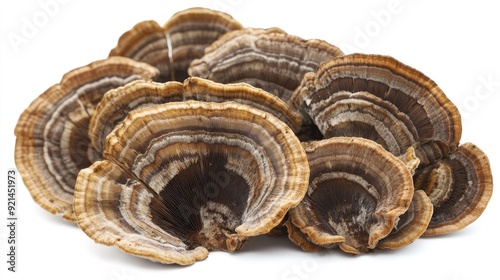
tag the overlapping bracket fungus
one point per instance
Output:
(379, 98)
(358, 192)
(171, 170)
(182, 178)
(172, 47)
(52, 144)
(117, 103)
(265, 58)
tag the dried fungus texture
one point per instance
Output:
(117, 103)
(357, 193)
(172, 47)
(459, 186)
(52, 144)
(183, 178)
(265, 58)
(379, 98)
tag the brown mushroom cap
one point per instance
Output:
(411, 225)
(171, 48)
(52, 144)
(380, 98)
(268, 59)
(117, 103)
(184, 177)
(357, 191)
(459, 186)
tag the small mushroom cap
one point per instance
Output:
(411, 225)
(268, 59)
(382, 99)
(459, 186)
(357, 192)
(52, 144)
(171, 48)
(182, 178)
(117, 103)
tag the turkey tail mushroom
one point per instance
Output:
(182, 178)
(52, 144)
(171, 48)
(459, 186)
(382, 99)
(357, 192)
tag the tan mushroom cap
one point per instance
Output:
(117, 103)
(382, 99)
(459, 186)
(171, 48)
(357, 192)
(52, 144)
(182, 178)
(265, 58)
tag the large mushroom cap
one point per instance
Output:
(382, 99)
(183, 177)
(357, 192)
(459, 186)
(52, 144)
(171, 48)
(266, 58)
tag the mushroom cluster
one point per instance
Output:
(199, 134)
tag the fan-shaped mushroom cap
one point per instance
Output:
(380, 98)
(184, 177)
(459, 186)
(411, 225)
(52, 144)
(117, 103)
(269, 59)
(357, 192)
(172, 47)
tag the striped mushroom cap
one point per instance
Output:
(52, 144)
(117, 103)
(172, 47)
(357, 192)
(459, 186)
(266, 58)
(379, 98)
(182, 178)
(412, 224)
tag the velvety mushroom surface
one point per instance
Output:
(357, 192)
(266, 58)
(183, 178)
(379, 98)
(171, 48)
(52, 144)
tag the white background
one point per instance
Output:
(454, 43)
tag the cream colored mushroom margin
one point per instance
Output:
(158, 192)
(357, 197)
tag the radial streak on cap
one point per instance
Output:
(194, 176)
